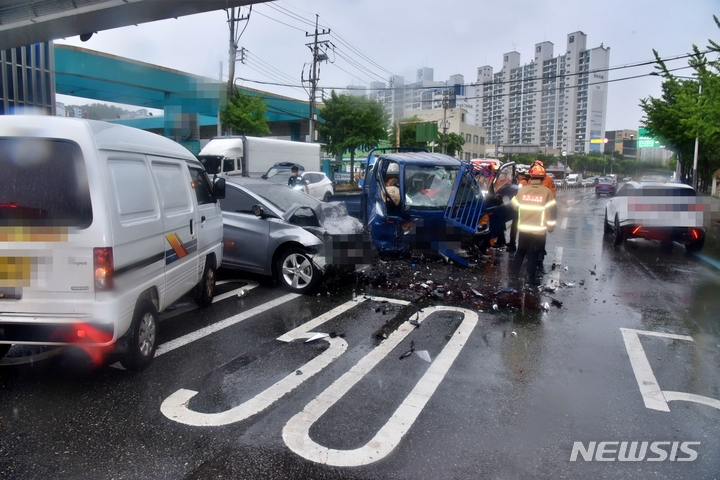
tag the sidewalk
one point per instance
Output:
(712, 224)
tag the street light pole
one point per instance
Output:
(695, 155)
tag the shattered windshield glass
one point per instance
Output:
(430, 187)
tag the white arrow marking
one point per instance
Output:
(296, 432)
(175, 407)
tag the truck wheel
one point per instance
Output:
(617, 233)
(142, 339)
(296, 272)
(205, 290)
(4, 349)
(606, 226)
(695, 245)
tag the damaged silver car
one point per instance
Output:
(272, 230)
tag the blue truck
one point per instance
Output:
(415, 200)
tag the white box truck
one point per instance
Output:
(573, 180)
(253, 156)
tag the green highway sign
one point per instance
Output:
(646, 140)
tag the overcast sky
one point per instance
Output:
(374, 38)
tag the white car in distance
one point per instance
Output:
(317, 184)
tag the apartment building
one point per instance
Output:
(555, 102)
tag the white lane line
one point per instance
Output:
(554, 277)
(647, 383)
(296, 432)
(216, 327)
(653, 397)
(319, 320)
(175, 407)
(189, 308)
(250, 285)
(691, 397)
(563, 225)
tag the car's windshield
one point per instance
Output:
(429, 186)
(664, 192)
(281, 196)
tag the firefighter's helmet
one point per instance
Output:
(537, 171)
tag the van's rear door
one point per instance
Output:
(45, 205)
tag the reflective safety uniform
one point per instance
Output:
(537, 214)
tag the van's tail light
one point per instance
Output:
(103, 268)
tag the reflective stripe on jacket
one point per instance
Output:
(536, 208)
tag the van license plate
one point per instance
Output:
(15, 271)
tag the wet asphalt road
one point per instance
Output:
(507, 395)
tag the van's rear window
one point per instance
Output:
(43, 183)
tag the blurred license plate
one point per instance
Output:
(15, 271)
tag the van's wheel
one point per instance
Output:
(142, 338)
(617, 233)
(205, 290)
(4, 348)
(690, 247)
(296, 272)
(606, 226)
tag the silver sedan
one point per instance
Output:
(270, 229)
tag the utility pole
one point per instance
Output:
(445, 124)
(317, 57)
(234, 18)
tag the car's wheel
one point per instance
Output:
(695, 245)
(142, 338)
(618, 236)
(4, 349)
(296, 272)
(326, 198)
(204, 291)
(606, 226)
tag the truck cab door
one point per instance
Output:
(383, 216)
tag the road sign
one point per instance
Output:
(646, 140)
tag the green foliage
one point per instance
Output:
(245, 114)
(453, 143)
(408, 130)
(100, 111)
(683, 113)
(351, 123)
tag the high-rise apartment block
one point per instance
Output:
(554, 102)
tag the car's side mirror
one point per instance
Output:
(219, 188)
(258, 210)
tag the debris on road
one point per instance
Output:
(424, 354)
(317, 336)
(513, 333)
(582, 282)
(477, 294)
(546, 306)
(495, 306)
(556, 303)
(242, 293)
(299, 372)
(506, 290)
(409, 352)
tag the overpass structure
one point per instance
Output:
(190, 102)
(27, 22)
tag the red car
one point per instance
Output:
(605, 187)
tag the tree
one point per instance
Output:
(408, 133)
(100, 111)
(683, 113)
(453, 143)
(245, 114)
(352, 123)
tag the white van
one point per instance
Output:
(102, 226)
(573, 180)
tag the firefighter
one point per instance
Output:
(547, 181)
(537, 215)
(523, 178)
